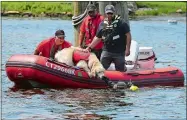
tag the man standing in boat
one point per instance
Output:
(89, 28)
(117, 40)
(50, 46)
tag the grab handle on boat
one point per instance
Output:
(141, 73)
(173, 71)
(56, 62)
(134, 74)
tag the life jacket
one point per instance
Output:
(110, 31)
(80, 55)
(111, 34)
(91, 29)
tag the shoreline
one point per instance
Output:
(17, 14)
(65, 10)
(66, 17)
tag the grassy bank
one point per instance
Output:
(160, 8)
(36, 8)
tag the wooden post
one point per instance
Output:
(121, 9)
(79, 8)
(76, 29)
(126, 13)
(102, 8)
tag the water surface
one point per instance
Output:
(21, 36)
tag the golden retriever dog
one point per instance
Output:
(84, 65)
(93, 66)
(65, 56)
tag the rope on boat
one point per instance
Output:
(78, 19)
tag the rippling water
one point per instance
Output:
(21, 36)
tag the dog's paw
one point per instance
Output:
(100, 75)
(93, 74)
(90, 74)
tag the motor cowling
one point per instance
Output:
(146, 58)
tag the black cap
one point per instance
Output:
(60, 33)
(91, 7)
(109, 9)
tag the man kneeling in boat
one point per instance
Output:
(50, 46)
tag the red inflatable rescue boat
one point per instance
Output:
(37, 71)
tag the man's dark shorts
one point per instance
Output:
(117, 58)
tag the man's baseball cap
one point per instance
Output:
(109, 9)
(91, 7)
(60, 33)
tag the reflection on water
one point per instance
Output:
(97, 104)
(20, 36)
(88, 99)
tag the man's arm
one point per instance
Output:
(126, 29)
(82, 32)
(95, 41)
(39, 48)
(81, 37)
(128, 44)
(36, 52)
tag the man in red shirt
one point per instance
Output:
(89, 28)
(50, 46)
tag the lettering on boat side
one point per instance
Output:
(144, 53)
(60, 68)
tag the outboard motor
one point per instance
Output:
(131, 60)
(146, 58)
